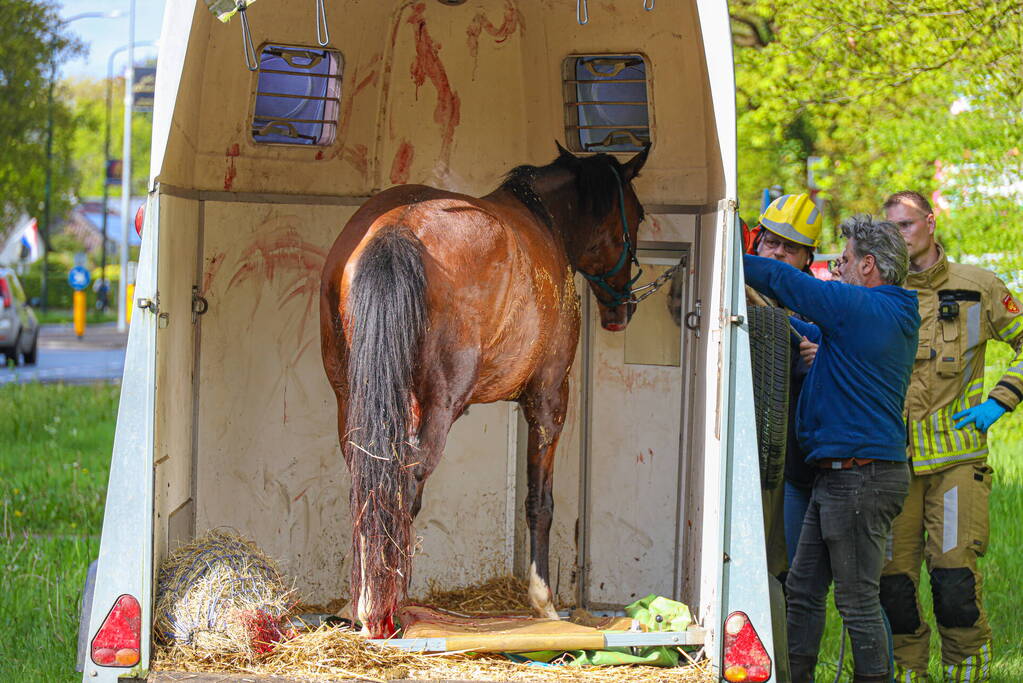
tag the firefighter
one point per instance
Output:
(788, 231)
(945, 518)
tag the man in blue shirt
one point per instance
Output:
(849, 421)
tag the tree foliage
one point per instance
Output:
(32, 46)
(919, 94)
(88, 97)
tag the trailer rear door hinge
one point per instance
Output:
(693, 318)
(199, 304)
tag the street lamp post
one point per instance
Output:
(49, 144)
(49, 184)
(106, 150)
(129, 104)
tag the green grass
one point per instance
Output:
(55, 444)
(1002, 566)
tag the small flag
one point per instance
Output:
(31, 244)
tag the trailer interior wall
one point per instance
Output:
(447, 95)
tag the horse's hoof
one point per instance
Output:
(346, 613)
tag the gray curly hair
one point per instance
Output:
(883, 241)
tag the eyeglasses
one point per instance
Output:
(772, 243)
(835, 264)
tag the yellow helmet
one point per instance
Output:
(794, 217)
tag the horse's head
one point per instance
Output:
(606, 251)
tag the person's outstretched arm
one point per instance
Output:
(825, 303)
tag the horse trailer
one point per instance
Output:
(269, 130)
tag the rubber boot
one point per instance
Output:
(872, 678)
(801, 667)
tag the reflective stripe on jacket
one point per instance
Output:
(948, 372)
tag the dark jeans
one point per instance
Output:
(797, 499)
(844, 535)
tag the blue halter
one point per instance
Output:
(623, 295)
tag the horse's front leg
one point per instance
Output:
(544, 410)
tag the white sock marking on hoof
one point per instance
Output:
(540, 595)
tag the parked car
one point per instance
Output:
(19, 328)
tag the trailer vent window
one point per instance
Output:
(606, 106)
(298, 96)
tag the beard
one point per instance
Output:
(851, 277)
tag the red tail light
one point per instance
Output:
(140, 218)
(5, 293)
(745, 658)
(117, 643)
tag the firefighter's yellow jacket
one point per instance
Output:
(961, 307)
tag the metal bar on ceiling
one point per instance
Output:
(583, 104)
(298, 97)
(299, 73)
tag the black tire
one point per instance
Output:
(770, 354)
(29, 357)
(84, 614)
(15, 352)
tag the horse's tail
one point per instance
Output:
(386, 317)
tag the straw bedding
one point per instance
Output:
(336, 652)
(506, 594)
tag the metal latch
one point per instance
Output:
(736, 319)
(199, 304)
(153, 305)
(693, 318)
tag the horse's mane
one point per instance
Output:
(596, 185)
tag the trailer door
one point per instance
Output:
(633, 460)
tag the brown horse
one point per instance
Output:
(431, 301)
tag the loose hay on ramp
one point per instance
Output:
(220, 594)
(498, 594)
(335, 652)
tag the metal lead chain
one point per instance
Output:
(648, 5)
(322, 32)
(251, 61)
(582, 12)
(646, 290)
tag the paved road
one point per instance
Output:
(98, 356)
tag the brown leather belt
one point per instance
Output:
(842, 463)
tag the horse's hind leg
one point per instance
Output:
(544, 410)
(446, 390)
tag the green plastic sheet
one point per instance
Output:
(654, 612)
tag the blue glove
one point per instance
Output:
(982, 416)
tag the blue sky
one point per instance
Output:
(102, 36)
